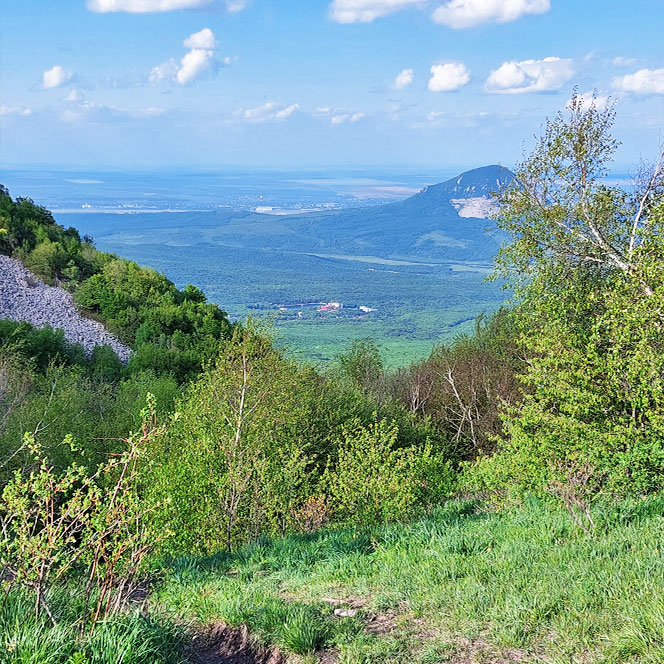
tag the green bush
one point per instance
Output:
(374, 481)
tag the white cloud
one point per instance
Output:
(74, 95)
(143, 6)
(338, 115)
(456, 14)
(460, 14)
(365, 11)
(268, 112)
(198, 59)
(234, 6)
(642, 82)
(448, 77)
(203, 39)
(193, 64)
(55, 77)
(530, 76)
(15, 109)
(403, 79)
(166, 71)
(623, 62)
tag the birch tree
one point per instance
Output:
(234, 446)
(586, 262)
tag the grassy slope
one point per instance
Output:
(459, 586)
(462, 585)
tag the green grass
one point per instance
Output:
(127, 639)
(460, 583)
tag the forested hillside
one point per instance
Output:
(499, 501)
(171, 331)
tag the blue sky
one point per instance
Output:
(316, 83)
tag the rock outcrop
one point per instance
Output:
(23, 297)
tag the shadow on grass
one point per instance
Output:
(302, 550)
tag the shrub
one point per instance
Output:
(53, 524)
(372, 480)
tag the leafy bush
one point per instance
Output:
(53, 524)
(373, 481)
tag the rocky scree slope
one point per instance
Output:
(24, 298)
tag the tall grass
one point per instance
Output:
(521, 581)
(127, 639)
(461, 585)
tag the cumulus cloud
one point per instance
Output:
(530, 76)
(15, 109)
(193, 64)
(642, 82)
(460, 14)
(620, 61)
(456, 14)
(143, 6)
(198, 59)
(365, 11)
(268, 112)
(55, 77)
(448, 77)
(403, 79)
(202, 39)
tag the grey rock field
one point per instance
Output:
(23, 297)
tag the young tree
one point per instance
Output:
(585, 260)
(234, 444)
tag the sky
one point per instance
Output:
(289, 84)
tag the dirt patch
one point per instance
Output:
(381, 623)
(327, 657)
(220, 644)
(476, 651)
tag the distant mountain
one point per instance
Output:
(474, 183)
(445, 222)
